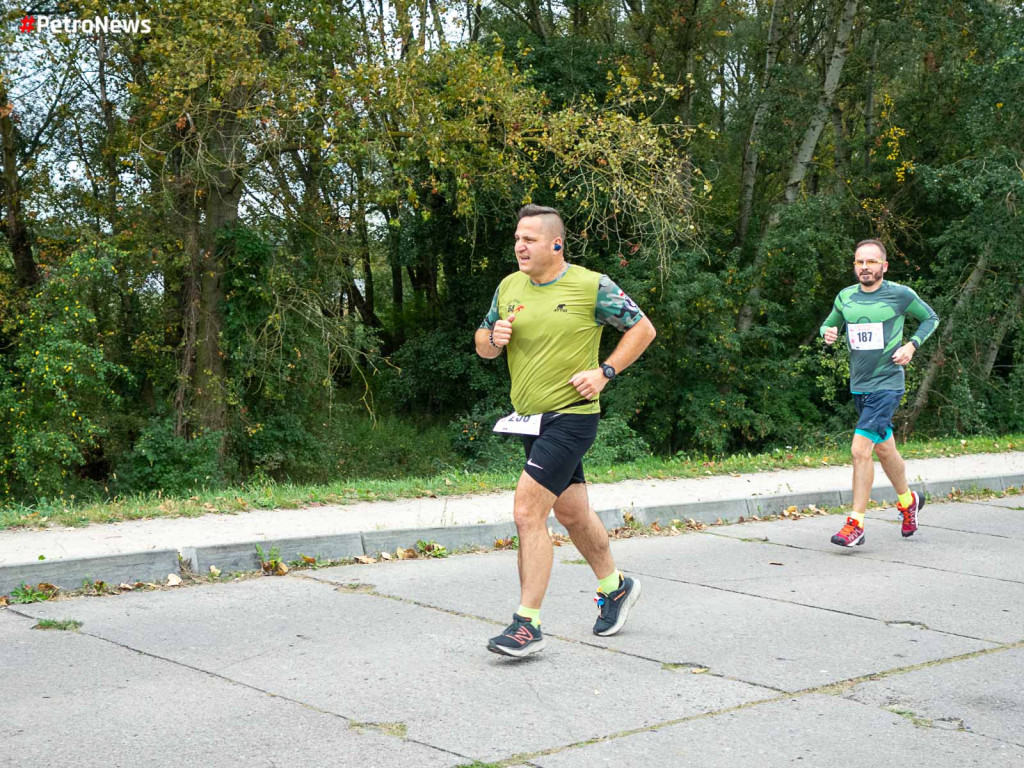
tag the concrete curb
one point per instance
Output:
(155, 565)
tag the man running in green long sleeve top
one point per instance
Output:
(873, 313)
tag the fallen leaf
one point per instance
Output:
(789, 511)
(125, 587)
(448, 482)
(3, 601)
(365, 560)
(308, 560)
(214, 571)
(173, 580)
(385, 556)
(754, 517)
(280, 569)
(404, 554)
(699, 670)
(210, 507)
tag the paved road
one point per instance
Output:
(757, 644)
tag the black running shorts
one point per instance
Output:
(555, 457)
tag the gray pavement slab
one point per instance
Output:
(74, 700)
(810, 731)
(843, 580)
(740, 636)
(1009, 502)
(937, 548)
(984, 517)
(982, 695)
(376, 659)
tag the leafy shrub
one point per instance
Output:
(160, 460)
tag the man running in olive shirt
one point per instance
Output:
(873, 312)
(549, 316)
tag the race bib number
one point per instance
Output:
(514, 424)
(865, 336)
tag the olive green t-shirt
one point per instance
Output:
(556, 334)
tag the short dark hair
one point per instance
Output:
(877, 243)
(543, 210)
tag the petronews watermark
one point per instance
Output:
(91, 26)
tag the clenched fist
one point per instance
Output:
(502, 333)
(831, 334)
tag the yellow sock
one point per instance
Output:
(859, 517)
(533, 614)
(609, 583)
(905, 498)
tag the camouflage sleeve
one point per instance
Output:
(614, 307)
(492, 314)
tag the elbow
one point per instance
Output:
(651, 331)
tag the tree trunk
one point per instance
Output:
(869, 105)
(938, 359)
(1010, 319)
(750, 155)
(805, 154)
(842, 151)
(225, 192)
(14, 226)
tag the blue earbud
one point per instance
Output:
(558, 247)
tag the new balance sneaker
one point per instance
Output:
(615, 607)
(519, 639)
(910, 513)
(851, 534)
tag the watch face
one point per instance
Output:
(609, 372)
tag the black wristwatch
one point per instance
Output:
(609, 372)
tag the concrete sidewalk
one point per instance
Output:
(147, 550)
(757, 645)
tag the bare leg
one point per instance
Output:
(532, 503)
(893, 465)
(863, 473)
(573, 510)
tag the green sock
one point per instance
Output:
(609, 583)
(905, 498)
(533, 614)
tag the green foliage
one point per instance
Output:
(56, 387)
(161, 460)
(430, 549)
(28, 593)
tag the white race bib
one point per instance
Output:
(865, 336)
(514, 424)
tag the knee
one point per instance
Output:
(526, 517)
(861, 453)
(570, 518)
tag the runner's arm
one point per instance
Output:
(835, 318)
(632, 345)
(925, 315)
(483, 339)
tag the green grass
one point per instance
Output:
(288, 496)
(63, 625)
